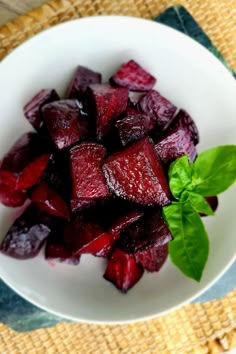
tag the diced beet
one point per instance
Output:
(136, 174)
(159, 108)
(56, 250)
(122, 270)
(11, 197)
(134, 77)
(88, 181)
(185, 121)
(82, 78)
(84, 236)
(65, 123)
(213, 202)
(47, 199)
(27, 235)
(145, 233)
(124, 221)
(32, 109)
(24, 163)
(153, 258)
(109, 103)
(133, 126)
(78, 204)
(174, 144)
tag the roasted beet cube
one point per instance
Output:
(32, 109)
(134, 77)
(159, 108)
(88, 181)
(85, 236)
(24, 163)
(82, 78)
(136, 174)
(174, 144)
(11, 197)
(27, 234)
(185, 121)
(78, 204)
(109, 103)
(47, 199)
(56, 249)
(124, 221)
(122, 270)
(145, 233)
(65, 123)
(133, 126)
(153, 258)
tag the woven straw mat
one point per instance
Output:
(197, 328)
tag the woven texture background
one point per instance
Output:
(196, 328)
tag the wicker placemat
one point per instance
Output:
(197, 328)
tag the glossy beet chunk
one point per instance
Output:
(122, 270)
(86, 236)
(47, 199)
(56, 249)
(149, 231)
(32, 109)
(88, 181)
(153, 258)
(174, 144)
(185, 121)
(78, 204)
(159, 108)
(27, 234)
(136, 174)
(82, 78)
(133, 126)
(109, 102)
(12, 198)
(65, 123)
(124, 221)
(134, 77)
(25, 162)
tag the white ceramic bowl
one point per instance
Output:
(189, 76)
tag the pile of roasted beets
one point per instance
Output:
(95, 172)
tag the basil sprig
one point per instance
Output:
(212, 173)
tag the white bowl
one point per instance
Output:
(189, 76)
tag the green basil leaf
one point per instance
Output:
(198, 202)
(189, 248)
(180, 175)
(214, 170)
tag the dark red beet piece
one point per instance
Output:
(134, 77)
(47, 199)
(146, 232)
(153, 258)
(82, 78)
(78, 204)
(109, 103)
(84, 236)
(27, 234)
(122, 270)
(213, 202)
(24, 163)
(65, 123)
(56, 250)
(88, 181)
(185, 121)
(11, 197)
(136, 174)
(159, 108)
(32, 109)
(174, 144)
(124, 221)
(133, 126)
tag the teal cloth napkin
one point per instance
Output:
(22, 316)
